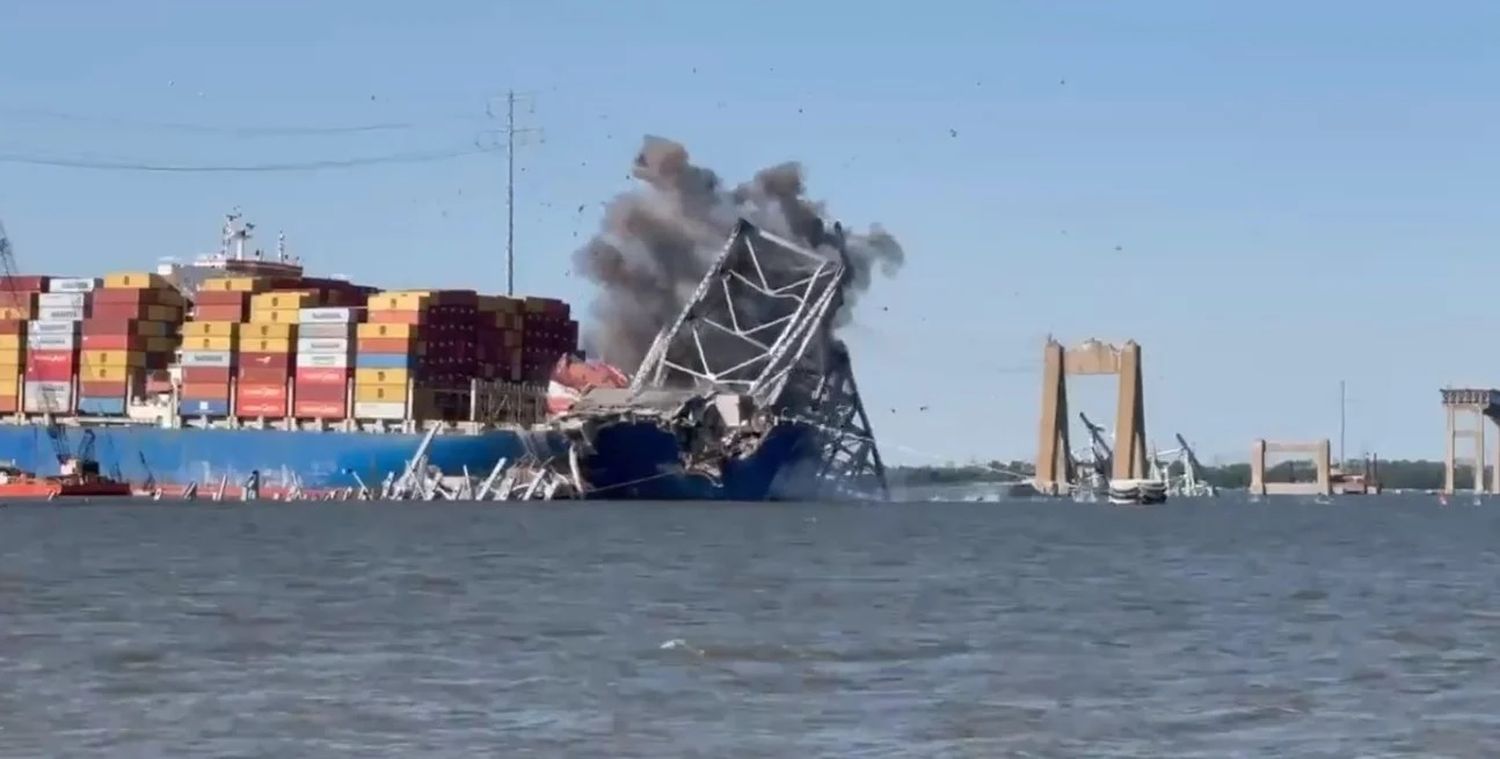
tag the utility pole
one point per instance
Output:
(511, 133)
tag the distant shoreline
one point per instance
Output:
(1400, 474)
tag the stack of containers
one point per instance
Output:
(267, 345)
(209, 341)
(132, 333)
(498, 335)
(547, 334)
(52, 343)
(17, 307)
(325, 359)
(422, 341)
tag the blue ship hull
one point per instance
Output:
(642, 461)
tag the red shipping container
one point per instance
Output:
(51, 366)
(204, 313)
(111, 388)
(280, 361)
(319, 409)
(260, 408)
(8, 404)
(116, 311)
(396, 317)
(114, 342)
(263, 376)
(249, 391)
(205, 392)
(34, 283)
(319, 392)
(129, 296)
(219, 298)
(399, 345)
(12, 327)
(321, 376)
(217, 375)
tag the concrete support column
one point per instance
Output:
(1448, 463)
(1479, 459)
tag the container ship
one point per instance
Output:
(238, 370)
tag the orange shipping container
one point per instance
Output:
(390, 345)
(319, 409)
(396, 317)
(250, 408)
(8, 404)
(257, 391)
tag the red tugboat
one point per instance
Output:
(78, 475)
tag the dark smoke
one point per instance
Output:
(657, 242)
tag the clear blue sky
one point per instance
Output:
(1300, 192)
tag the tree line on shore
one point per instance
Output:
(1400, 474)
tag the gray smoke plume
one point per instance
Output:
(657, 242)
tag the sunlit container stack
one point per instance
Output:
(325, 358)
(17, 307)
(267, 346)
(546, 334)
(133, 331)
(209, 343)
(52, 346)
(420, 342)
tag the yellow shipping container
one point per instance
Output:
(162, 344)
(10, 342)
(397, 331)
(104, 373)
(210, 329)
(10, 385)
(10, 358)
(207, 343)
(251, 344)
(233, 285)
(274, 315)
(17, 312)
(111, 358)
(281, 330)
(369, 376)
(387, 393)
(280, 300)
(136, 280)
(414, 300)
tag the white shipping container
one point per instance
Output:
(72, 285)
(59, 314)
(61, 300)
(208, 358)
(326, 315)
(52, 328)
(323, 360)
(323, 345)
(51, 342)
(326, 330)
(379, 410)
(48, 397)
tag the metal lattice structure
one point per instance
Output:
(760, 325)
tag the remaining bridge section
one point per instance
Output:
(1478, 404)
(1317, 450)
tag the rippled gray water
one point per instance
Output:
(1367, 627)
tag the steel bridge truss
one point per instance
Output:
(760, 325)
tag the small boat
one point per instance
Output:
(77, 479)
(1137, 491)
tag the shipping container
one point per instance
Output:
(73, 285)
(381, 376)
(105, 373)
(274, 360)
(159, 297)
(380, 409)
(13, 327)
(279, 331)
(258, 391)
(138, 312)
(321, 376)
(25, 283)
(131, 387)
(206, 391)
(273, 315)
(207, 358)
(204, 407)
(114, 342)
(260, 375)
(61, 314)
(325, 345)
(410, 318)
(51, 342)
(328, 315)
(136, 281)
(13, 312)
(319, 409)
(205, 375)
(237, 285)
(208, 344)
(111, 358)
(213, 313)
(294, 300)
(9, 404)
(324, 360)
(264, 345)
(10, 383)
(257, 408)
(318, 392)
(221, 298)
(344, 331)
(380, 392)
(62, 300)
(403, 331)
(390, 345)
(101, 406)
(210, 329)
(48, 397)
(385, 361)
(125, 327)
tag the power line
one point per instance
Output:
(242, 131)
(143, 166)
